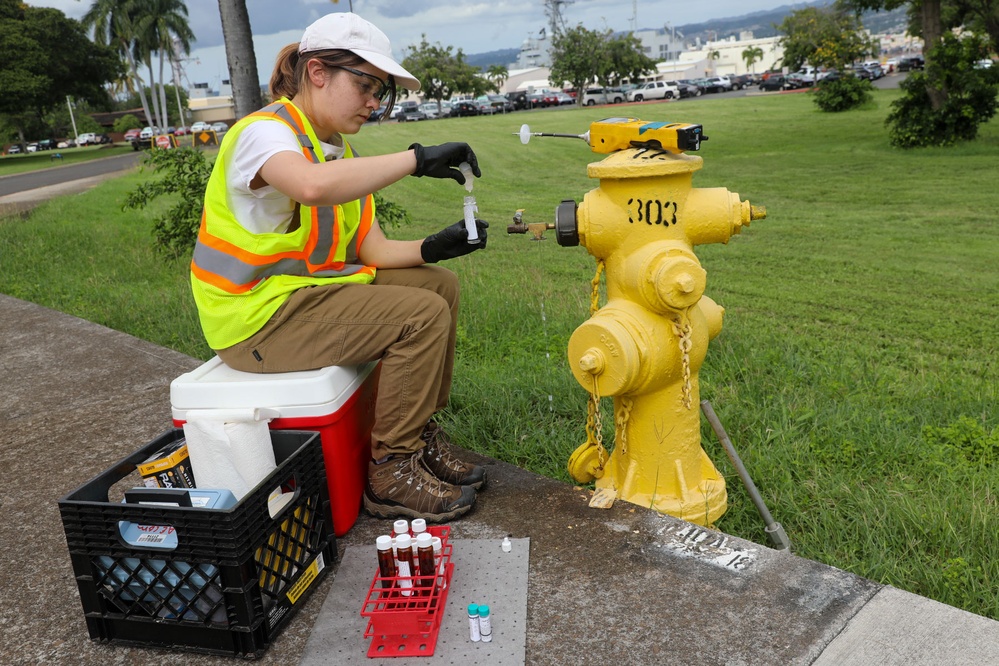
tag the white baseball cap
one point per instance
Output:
(350, 32)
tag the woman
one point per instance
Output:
(292, 272)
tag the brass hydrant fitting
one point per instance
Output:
(646, 345)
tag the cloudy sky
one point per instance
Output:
(475, 26)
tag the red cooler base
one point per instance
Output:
(346, 440)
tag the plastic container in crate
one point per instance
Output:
(220, 581)
(407, 625)
(337, 402)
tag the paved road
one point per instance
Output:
(33, 180)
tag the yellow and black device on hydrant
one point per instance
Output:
(645, 346)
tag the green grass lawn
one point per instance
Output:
(21, 163)
(856, 373)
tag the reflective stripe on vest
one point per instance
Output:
(237, 270)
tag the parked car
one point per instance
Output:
(466, 108)
(147, 132)
(485, 106)
(183, 130)
(501, 103)
(536, 100)
(741, 81)
(32, 147)
(558, 98)
(875, 69)
(132, 134)
(410, 112)
(719, 84)
(430, 110)
(687, 88)
(909, 63)
(200, 126)
(14, 149)
(593, 96)
(773, 82)
(219, 127)
(46, 144)
(653, 90)
(86, 139)
(66, 143)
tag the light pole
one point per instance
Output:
(69, 104)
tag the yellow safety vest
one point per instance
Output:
(240, 278)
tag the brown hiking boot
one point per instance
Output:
(402, 487)
(439, 458)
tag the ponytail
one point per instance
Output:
(284, 78)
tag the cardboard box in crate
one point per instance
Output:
(227, 581)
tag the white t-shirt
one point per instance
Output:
(264, 210)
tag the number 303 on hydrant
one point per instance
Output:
(646, 345)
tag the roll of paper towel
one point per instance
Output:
(236, 455)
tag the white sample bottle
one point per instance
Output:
(470, 208)
(404, 548)
(473, 623)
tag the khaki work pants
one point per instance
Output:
(407, 318)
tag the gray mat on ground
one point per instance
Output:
(483, 574)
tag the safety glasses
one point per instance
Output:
(371, 84)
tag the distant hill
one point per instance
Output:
(761, 24)
(485, 60)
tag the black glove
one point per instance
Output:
(452, 242)
(442, 161)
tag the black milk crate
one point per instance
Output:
(236, 575)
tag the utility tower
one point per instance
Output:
(553, 10)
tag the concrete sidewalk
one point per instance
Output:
(625, 586)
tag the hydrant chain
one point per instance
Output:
(683, 331)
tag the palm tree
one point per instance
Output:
(113, 23)
(498, 74)
(239, 55)
(713, 55)
(161, 22)
(751, 55)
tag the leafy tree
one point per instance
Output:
(970, 98)
(45, 56)
(125, 123)
(240, 57)
(577, 56)
(823, 37)
(171, 94)
(443, 74)
(624, 59)
(751, 55)
(930, 112)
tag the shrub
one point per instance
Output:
(125, 123)
(970, 97)
(185, 173)
(842, 93)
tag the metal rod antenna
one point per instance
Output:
(774, 530)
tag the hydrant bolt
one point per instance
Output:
(592, 362)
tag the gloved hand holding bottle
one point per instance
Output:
(452, 242)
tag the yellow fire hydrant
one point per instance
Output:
(646, 345)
